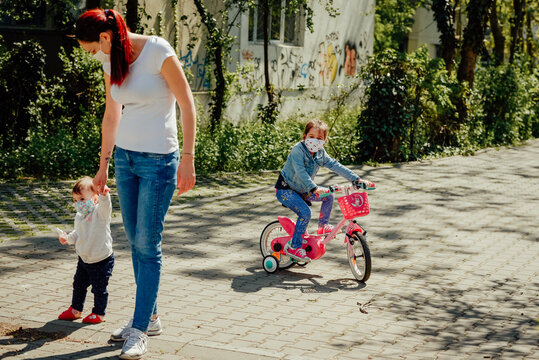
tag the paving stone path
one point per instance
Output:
(455, 250)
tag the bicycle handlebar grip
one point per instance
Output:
(361, 185)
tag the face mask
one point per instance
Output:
(85, 207)
(101, 56)
(314, 145)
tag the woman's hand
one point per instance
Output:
(100, 179)
(186, 174)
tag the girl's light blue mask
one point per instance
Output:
(85, 207)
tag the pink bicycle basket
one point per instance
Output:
(354, 205)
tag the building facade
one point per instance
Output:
(304, 66)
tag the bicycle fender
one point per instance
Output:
(288, 225)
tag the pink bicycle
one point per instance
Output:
(353, 204)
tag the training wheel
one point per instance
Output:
(270, 264)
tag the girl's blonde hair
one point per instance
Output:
(317, 124)
(84, 183)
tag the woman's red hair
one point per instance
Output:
(94, 22)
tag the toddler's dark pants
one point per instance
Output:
(97, 275)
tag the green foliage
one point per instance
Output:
(63, 101)
(63, 138)
(268, 113)
(63, 12)
(341, 143)
(508, 99)
(21, 73)
(409, 109)
(247, 146)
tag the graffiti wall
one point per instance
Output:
(328, 56)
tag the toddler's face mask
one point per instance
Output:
(85, 207)
(314, 145)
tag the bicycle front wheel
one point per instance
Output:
(271, 231)
(359, 257)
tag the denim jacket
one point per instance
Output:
(301, 168)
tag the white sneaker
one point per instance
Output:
(135, 345)
(120, 334)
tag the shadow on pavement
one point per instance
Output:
(258, 279)
(35, 338)
(83, 354)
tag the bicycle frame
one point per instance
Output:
(273, 247)
(318, 243)
(350, 229)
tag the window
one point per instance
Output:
(283, 27)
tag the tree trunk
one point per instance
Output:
(220, 88)
(529, 35)
(214, 49)
(516, 24)
(444, 14)
(474, 34)
(266, 14)
(499, 39)
(466, 70)
(131, 15)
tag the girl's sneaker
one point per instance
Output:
(324, 229)
(299, 254)
(69, 314)
(92, 319)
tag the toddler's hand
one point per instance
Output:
(106, 190)
(62, 236)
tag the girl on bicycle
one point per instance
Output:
(296, 187)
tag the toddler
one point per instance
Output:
(93, 244)
(296, 188)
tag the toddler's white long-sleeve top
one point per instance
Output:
(92, 238)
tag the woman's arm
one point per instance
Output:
(173, 73)
(109, 128)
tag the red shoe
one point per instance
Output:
(325, 229)
(299, 254)
(68, 315)
(92, 319)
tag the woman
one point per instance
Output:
(143, 74)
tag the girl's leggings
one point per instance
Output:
(295, 202)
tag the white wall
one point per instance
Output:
(424, 32)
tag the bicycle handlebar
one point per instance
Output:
(336, 188)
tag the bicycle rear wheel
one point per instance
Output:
(271, 231)
(359, 257)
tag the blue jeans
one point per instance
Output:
(295, 202)
(145, 184)
(97, 275)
